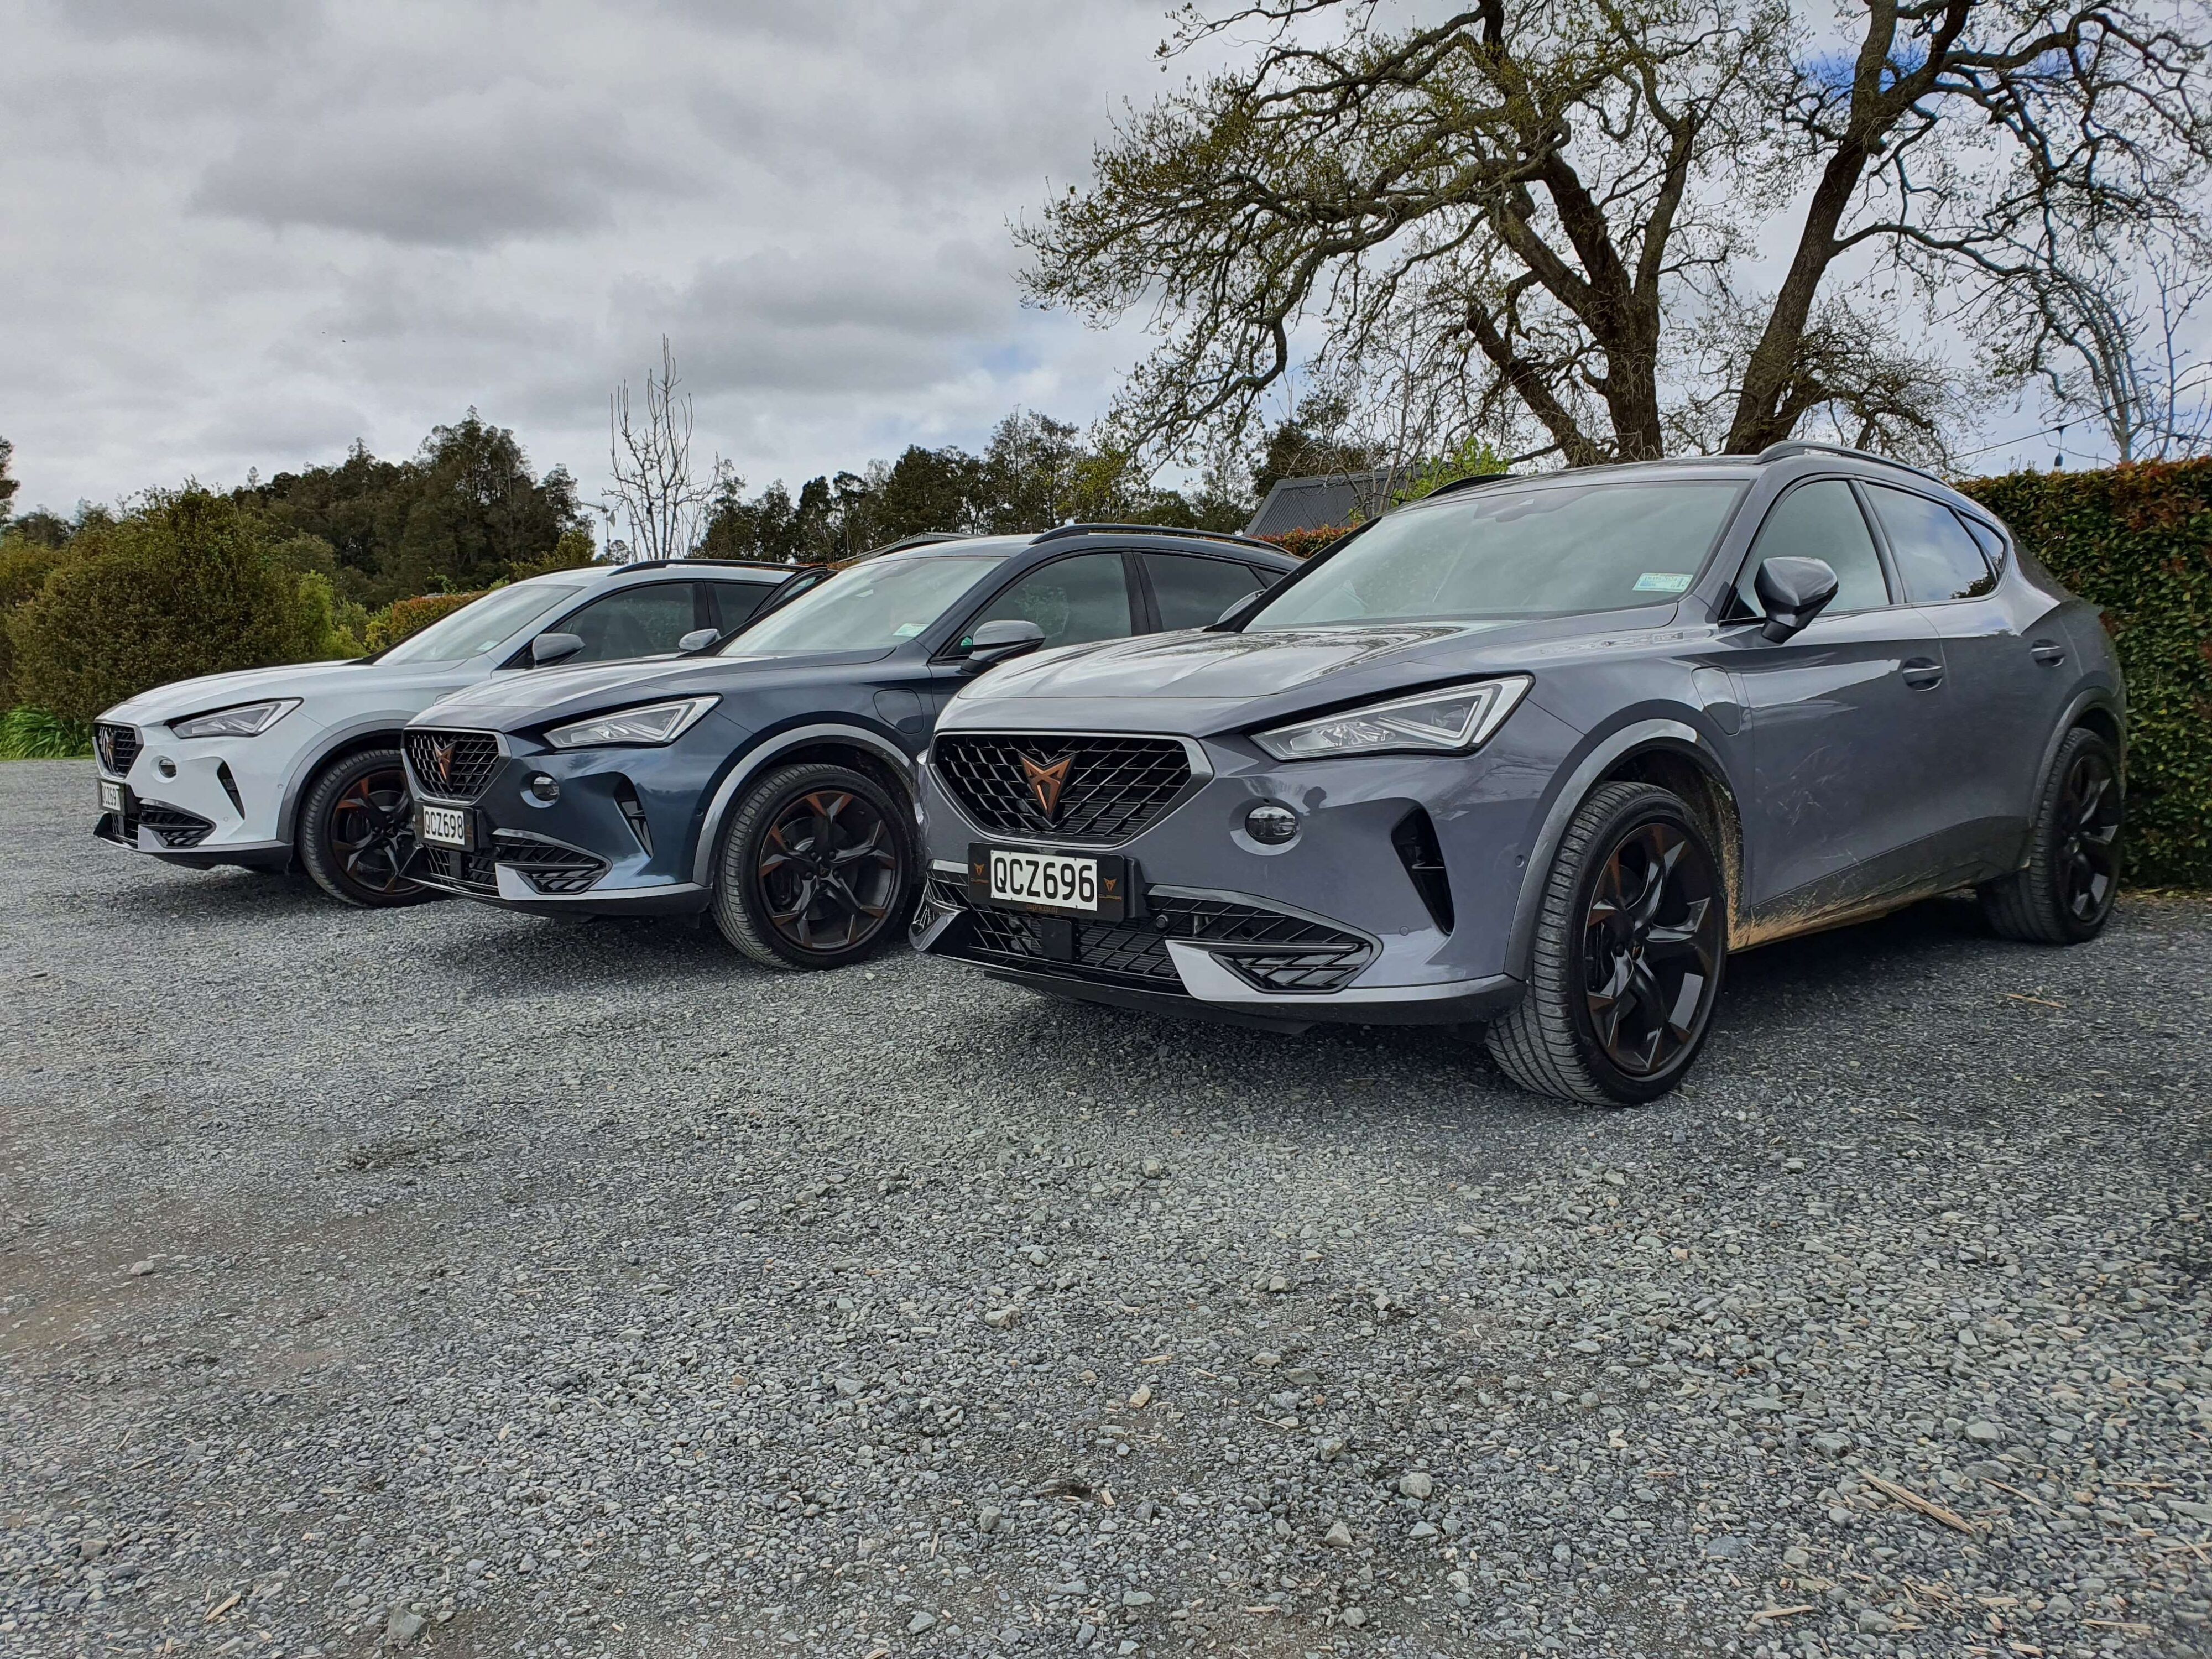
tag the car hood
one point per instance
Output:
(529, 697)
(207, 692)
(1208, 678)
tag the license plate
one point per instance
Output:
(444, 826)
(111, 796)
(1065, 884)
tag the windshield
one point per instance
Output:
(1548, 549)
(884, 602)
(480, 625)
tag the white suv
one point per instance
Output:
(274, 767)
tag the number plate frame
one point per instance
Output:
(114, 798)
(430, 820)
(1113, 883)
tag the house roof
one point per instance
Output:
(1320, 503)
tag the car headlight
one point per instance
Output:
(1453, 722)
(246, 720)
(652, 723)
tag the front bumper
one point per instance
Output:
(615, 840)
(199, 804)
(1416, 861)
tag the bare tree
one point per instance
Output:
(655, 489)
(1576, 195)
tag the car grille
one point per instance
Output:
(469, 869)
(1114, 787)
(470, 759)
(1267, 949)
(119, 746)
(550, 868)
(172, 827)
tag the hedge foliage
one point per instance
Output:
(2137, 541)
(403, 617)
(185, 585)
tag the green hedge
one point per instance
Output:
(403, 617)
(2137, 541)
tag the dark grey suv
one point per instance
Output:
(1540, 752)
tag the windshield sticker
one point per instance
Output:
(908, 630)
(1663, 581)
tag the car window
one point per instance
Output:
(1991, 543)
(1074, 600)
(735, 602)
(481, 624)
(1192, 592)
(635, 622)
(872, 606)
(1934, 554)
(1538, 549)
(1820, 520)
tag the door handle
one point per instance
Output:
(1923, 674)
(2048, 654)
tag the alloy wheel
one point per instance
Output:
(2088, 837)
(829, 869)
(1650, 943)
(371, 832)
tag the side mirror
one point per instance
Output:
(1240, 609)
(698, 639)
(1793, 592)
(994, 641)
(549, 649)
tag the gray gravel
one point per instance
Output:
(481, 1284)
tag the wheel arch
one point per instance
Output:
(1673, 754)
(866, 751)
(335, 747)
(2093, 707)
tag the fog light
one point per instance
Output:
(165, 767)
(1271, 826)
(544, 787)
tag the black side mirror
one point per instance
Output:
(1793, 592)
(549, 649)
(1240, 609)
(994, 641)
(698, 639)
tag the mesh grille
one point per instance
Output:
(119, 747)
(454, 866)
(551, 869)
(172, 827)
(452, 765)
(1114, 787)
(1305, 955)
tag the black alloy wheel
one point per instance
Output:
(1631, 946)
(2064, 893)
(817, 868)
(357, 832)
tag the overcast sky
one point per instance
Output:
(243, 233)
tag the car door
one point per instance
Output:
(2003, 694)
(638, 620)
(1188, 590)
(1843, 722)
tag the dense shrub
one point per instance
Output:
(185, 585)
(1304, 544)
(31, 734)
(403, 617)
(2137, 541)
(25, 564)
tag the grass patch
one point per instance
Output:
(34, 734)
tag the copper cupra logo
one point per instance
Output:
(1046, 781)
(442, 754)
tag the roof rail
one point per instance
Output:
(919, 539)
(1790, 446)
(660, 564)
(1229, 536)
(1475, 483)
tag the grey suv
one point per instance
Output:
(1540, 752)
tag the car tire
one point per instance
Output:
(784, 901)
(356, 831)
(2065, 893)
(1608, 1019)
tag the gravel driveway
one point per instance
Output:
(456, 1280)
